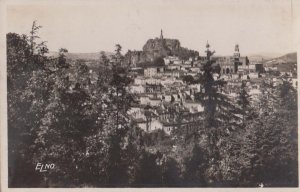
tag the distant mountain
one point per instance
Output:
(265, 55)
(84, 56)
(258, 57)
(290, 57)
(287, 58)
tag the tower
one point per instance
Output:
(161, 34)
(236, 58)
(237, 51)
(207, 45)
(208, 52)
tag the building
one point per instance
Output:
(153, 88)
(153, 71)
(233, 64)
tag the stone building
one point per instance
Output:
(233, 64)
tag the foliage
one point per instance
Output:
(243, 100)
(58, 113)
(195, 167)
(188, 79)
(159, 61)
(25, 107)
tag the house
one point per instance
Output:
(167, 61)
(195, 69)
(195, 87)
(193, 106)
(174, 73)
(154, 125)
(253, 75)
(173, 67)
(189, 62)
(168, 97)
(144, 99)
(167, 80)
(191, 73)
(295, 82)
(140, 80)
(167, 127)
(153, 88)
(137, 88)
(153, 71)
(154, 101)
(150, 71)
(137, 112)
(177, 62)
(141, 123)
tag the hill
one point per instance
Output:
(289, 58)
(158, 48)
(285, 59)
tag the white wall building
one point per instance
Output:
(150, 71)
(137, 88)
(193, 106)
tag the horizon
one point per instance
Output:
(93, 27)
(268, 55)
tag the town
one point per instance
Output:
(151, 94)
(165, 88)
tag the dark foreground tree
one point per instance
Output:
(171, 173)
(25, 61)
(195, 168)
(219, 117)
(243, 100)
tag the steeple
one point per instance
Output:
(161, 34)
(237, 51)
(207, 45)
(208, 52)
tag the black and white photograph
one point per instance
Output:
(150, 94)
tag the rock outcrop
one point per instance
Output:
(158, 48)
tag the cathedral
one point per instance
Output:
(233, 64)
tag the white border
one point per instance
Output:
(3, 104)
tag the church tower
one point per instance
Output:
(236, 58)
(208, 52)
(161, 34)
(237, 51)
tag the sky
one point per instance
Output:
(258, 26)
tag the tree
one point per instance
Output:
(218, 111)
(118, 49)
(62, 58)
(159, 61)
(188, 79)
(273, 151)
(265, 151)
(148, 171)
(287, 94)
(118, 55)
(195, 167)
(55, 119)
(64, 122)
(25, 63)
(103, 59)
(243, 100)
(18, 53)
(172, 99)
(116, 126)
(33, 36)
(170, 173)
(267, 98)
